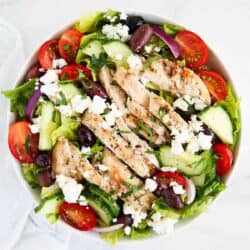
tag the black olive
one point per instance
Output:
(85, 136)
(45, 178)
(133, 22)
(43, 159)
(172, 199)
(125, 219)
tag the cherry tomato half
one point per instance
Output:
(225, 160)
(215, 83)
(22, 143)
(164, 178)
(71, 72)
(69, 44)
(80, 217)
(192, 48)
(47, 53)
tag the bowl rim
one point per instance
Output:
(10, 118)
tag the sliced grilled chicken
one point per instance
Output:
(137, 161)
(67, 160)
(116, 94)
(178, 80)
(155, 139)
(148, 100)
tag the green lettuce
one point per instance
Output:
(113, 237)
(19, 97)
(137, 233)
(67, 129)
(232, 105)
(172, 29)
(29, 171)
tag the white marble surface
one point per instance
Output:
(224, 25)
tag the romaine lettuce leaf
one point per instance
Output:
(137, 233)
(232, 105)
(19, 97)
(30, 171)
(113, 237)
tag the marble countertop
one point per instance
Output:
(224, 26)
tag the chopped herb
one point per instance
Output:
(27, 144)
(161, 113)
(132, 176)
(87, 85)
(152, 118)
(112, 192)
(114, 83)
(132, 188)
(66, 47)
(54, 116)
(106, 111)
(151, 60)
(97, 63)
(147, 129)
(63, 100)
(119, 131)
(168, 97)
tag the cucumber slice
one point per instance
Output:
(107, 198)
(49, 122)
(94, 47)
(49, 191)
(218, 120)
(199, 180)
(116, 49)
(100, 207)
(187, 163)
(69, 90)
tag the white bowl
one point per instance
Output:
(215, 64)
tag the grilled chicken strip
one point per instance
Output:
(177, 80)
(153, 103)
(134, 158)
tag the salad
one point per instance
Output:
(122, 127)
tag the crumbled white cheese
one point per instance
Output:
(123, 16)
(183, 136)
(157, 49)
(134, 62)
(199, 104)
(50, 90)
(85, 150)
(181, 104)
(195, 124)
(178, 189)
(148, 49)
(193, 146)
(42, 70)
(102, 167)
(150, 184)
(65, 110)
(160, 224)
(34, 128)
(98, 105)
(114, 220)
(58, 63)
(176, 147)
(117, 31)
(205, 141)
(127, 230)
(80, 103)
(70, 188)
(49, 77)
(82, 200)
(168, 169)
(136, 215)
(110, 117)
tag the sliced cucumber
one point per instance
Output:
(49, 191)
(218, 120)
(94, 47)
(69, 90)
(100, 207)
(116, 49)
(49, 122)
(107, 198)
(187, 163)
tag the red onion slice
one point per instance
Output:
(191, 191)
(108, 229)
(32, 104)
(171, 43)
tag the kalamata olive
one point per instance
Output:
(92, 88)
(141, 37)
(43, 159)
(125, 219)
(172, 199)
(33, 72)
(133, 22)
(45, 178)
(85, 136)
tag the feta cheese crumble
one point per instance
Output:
(49, 77)
(150, 185)
(116, 31)
(177, 188)
(80, 103)
(181, 104)
(58, 63)
(82, 200)
(85, 150)
(168, 169)
(127, 230)
(205, 141)
(65, 110)
(136, 215)
(70, 188)
(160, 224)
(123, 16)
(148, 49)
(110, 117)
(102, 167)
(98, 105)
(134, 62)
(34, 128)
(51, 91)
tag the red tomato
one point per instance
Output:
(77, 216)
(71, 72)
(215, 83)
(225, 160)
(69, 44)
(164, 178)
(192, 48)
(22, 143)
(47, 53)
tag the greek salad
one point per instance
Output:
(122, 126)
